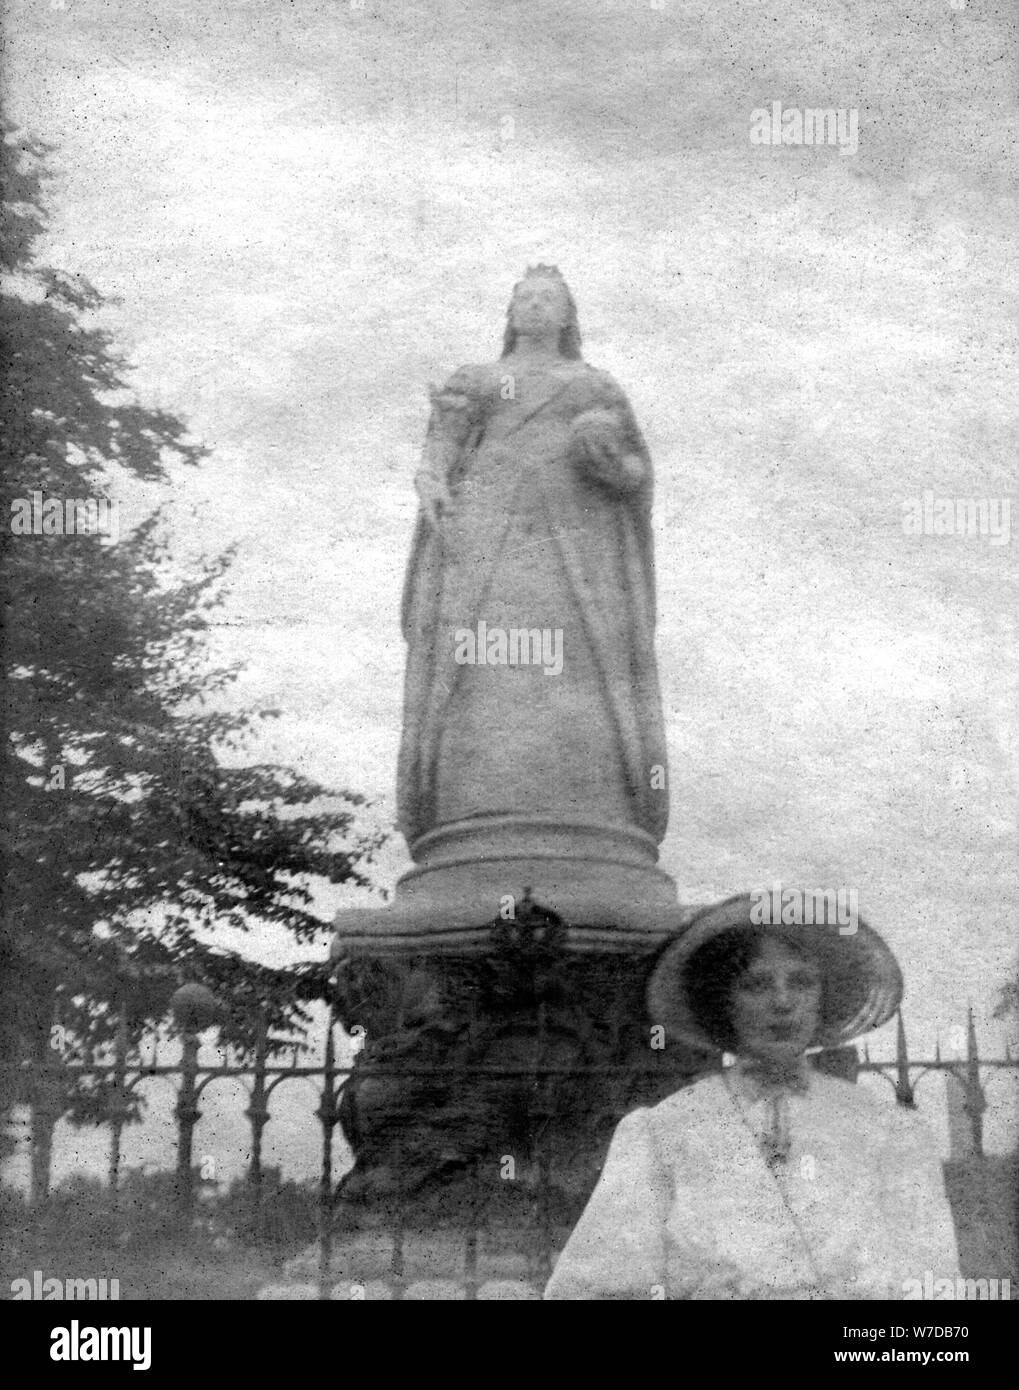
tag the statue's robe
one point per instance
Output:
(536, 541)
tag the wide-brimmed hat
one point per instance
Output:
(862, 980)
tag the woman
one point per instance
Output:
(535, 489)
(768, 1180)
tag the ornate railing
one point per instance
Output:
(48, 1088)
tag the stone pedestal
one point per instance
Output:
(602, 879)
(495, 1069)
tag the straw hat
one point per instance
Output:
(862, 980)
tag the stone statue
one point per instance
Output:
(502, 986)
(529, 604)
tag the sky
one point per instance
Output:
(302, 214)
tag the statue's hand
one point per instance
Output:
(598, 449)
(624, 472)
(436, 499)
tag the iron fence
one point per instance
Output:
(48, 1086)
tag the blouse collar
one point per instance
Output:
(756, 1081)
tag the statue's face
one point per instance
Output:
(776, 1004)
(539, 306)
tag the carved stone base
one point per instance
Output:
(490, 1083)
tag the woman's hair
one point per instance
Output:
(713, 971)
(569, 336)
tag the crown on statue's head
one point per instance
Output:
(547, 272)
(569, 339)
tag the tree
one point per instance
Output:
(126, 840)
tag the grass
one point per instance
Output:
(223, 1253)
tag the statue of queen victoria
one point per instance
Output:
(534, 535)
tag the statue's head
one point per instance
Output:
(543, 293)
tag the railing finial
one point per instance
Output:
(903, 1087)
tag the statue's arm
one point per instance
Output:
(609, 443)
(457, 410)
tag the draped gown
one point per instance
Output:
(535, 541)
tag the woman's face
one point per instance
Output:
(539, 307)
(776, 1004)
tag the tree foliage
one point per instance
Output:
(127, 840)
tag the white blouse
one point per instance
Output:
(688, 1206)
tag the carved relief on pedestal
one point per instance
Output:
(496, 1078)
